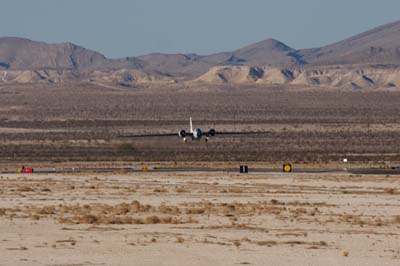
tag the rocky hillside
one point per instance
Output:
(342, 77)
(380, 45)
(367, 60)
(24, 54)
(176, 65)
(268, 52)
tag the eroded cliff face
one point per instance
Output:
(332, 76)
(122, 77)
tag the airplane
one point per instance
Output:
(193, 134)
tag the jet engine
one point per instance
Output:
(182, 134)
(212, 132)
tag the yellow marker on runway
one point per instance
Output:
(287, 168)
(145, 168)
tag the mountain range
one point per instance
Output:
(369, 59)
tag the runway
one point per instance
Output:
(359, 171)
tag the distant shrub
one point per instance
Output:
(125, 147)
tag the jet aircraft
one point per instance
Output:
(194, 134)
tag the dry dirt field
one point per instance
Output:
(199, 219)
(80, 122)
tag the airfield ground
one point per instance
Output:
(211, 218)
(199, 219)
(80, 122)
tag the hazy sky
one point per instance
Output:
(121, 28)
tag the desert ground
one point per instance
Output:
(213, 218)
(75, 122)
(216, 218)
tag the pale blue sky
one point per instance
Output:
(121, 28)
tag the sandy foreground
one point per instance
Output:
(199, 219)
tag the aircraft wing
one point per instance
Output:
(151, 135)
(233, 133)
(217, 133)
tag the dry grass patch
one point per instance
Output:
(168, 209)
(235, 190)
(110, 219)
(25, 189)
(269, 243)
(391, 191)
(123, 213)
(235, 226)
(180, 239)
(35, 217)
(234, 208)
(67, 241)
(160, 190)
(182, 190)
(48, 210)
(290, 243)
(195, 211)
